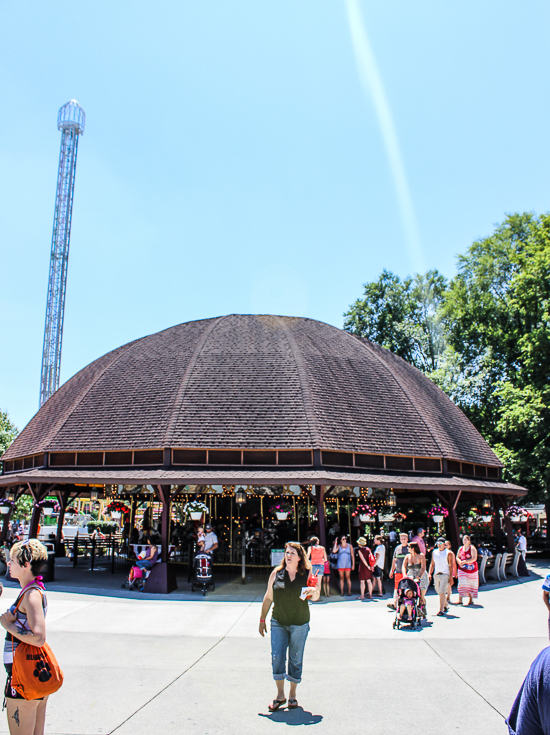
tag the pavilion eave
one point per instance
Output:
(243, 476)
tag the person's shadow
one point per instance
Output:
(294, 717)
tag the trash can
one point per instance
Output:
(48, 570)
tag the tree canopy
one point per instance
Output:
(8, 432)
(484, 337)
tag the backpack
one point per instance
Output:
(35, 672)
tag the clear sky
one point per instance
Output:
(255, 156)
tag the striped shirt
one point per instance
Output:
(22, 623)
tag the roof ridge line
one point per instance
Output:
(404, 392)
(307, 398)
(123, 351)
(180, 396)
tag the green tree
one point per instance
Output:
(404, 316)
(497, 314)
(8, 432)
(484, 338)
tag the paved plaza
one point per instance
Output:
(147, 666)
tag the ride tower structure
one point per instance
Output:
(71, 120)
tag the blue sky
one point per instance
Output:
(236, 157)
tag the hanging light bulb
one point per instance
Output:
(486, 503)
(93, 495)
(391, 499)
(240, 497)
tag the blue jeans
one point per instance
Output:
(293, 638)
(144, 564)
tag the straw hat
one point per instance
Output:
(362, 541)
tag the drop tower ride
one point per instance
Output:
(71, 120)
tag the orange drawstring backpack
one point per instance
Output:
(35, 673)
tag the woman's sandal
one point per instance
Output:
(274, 706)
(292, 703)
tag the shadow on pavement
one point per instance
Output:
(294, 717)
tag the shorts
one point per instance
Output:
(378, 572)
(344, 569)
(397, 577)
(11, 693)
(318, 570)
(441, 583)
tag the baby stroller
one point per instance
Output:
(411, 614)
(138, 579)
(202, 573)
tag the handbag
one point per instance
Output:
(35, 672)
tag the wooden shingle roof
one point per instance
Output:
(253, 382)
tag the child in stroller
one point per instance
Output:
(408, 595)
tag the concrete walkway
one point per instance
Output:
(148, 667)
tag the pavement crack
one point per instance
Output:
(463, 679)
(224, 636)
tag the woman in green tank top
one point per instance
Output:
(288, 590)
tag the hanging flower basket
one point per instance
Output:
(515, 512)
(47, 506)
(281, 510)
(116, 509)
(365, 512)
(6, 506)
(437, 513)
(486, 519)
(195, 509)
(399, 517)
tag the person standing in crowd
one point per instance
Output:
(366, 565)
(468, 579)
(521, 544)
(27, 623)
(317, 557)
(396, 570)
(380, 559)
(325, 586)
(345, 563)
(210, 540)
(392, 536)
(419, 539)
(440, 568)
(414, 566)
(530, 713)
(287, 590)
(453, 571)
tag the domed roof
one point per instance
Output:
(247, 382)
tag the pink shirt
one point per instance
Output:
(420, 542)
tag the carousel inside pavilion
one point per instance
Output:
(271, 428)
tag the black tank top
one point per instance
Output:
(288, 609)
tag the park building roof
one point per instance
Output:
(246, 395)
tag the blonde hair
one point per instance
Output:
(32, 551)
(304, 565)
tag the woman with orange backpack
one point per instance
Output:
(33, 673)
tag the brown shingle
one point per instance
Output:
(253, 382)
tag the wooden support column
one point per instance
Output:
(497, 526)
(133, 508)
(450, 501)
(38, 492)
(162, 579)
(64, 497)
(5, 526)
(320, 502)
(508, 527)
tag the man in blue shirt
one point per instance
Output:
(530, 713)
(546, 597)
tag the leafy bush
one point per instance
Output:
(103, 526)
